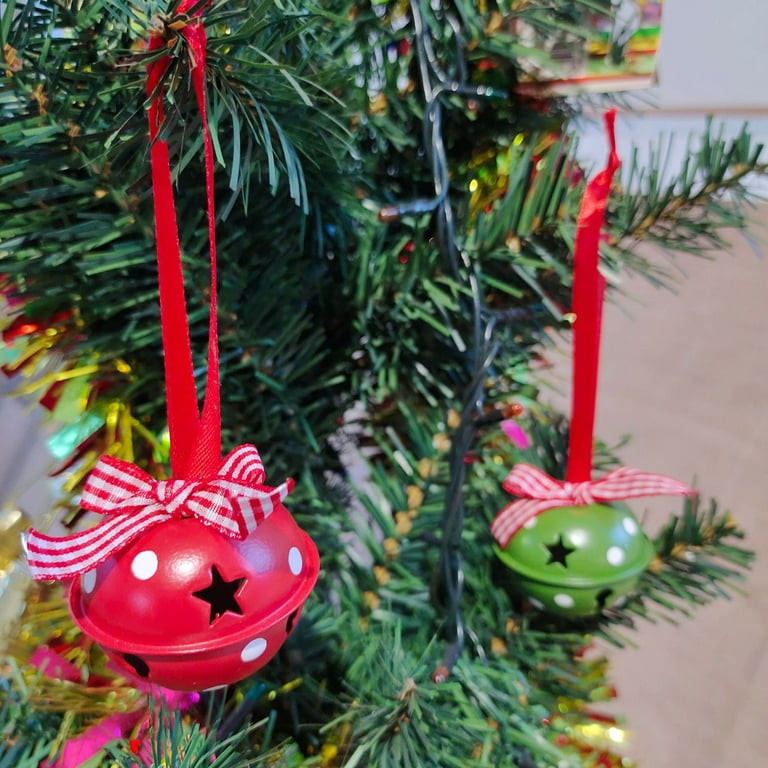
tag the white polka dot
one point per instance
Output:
(535, 603)
(563, 600)
(295, 561)
(254, 649)
(530, 523)
(144, 565)
(88, 581)
(630, 526)
(578, 537)
(615, 555)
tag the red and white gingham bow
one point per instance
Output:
(234, 502)
(541, 492)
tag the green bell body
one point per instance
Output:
(575, 561)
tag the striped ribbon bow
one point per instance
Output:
(541, 492)
(234, 502)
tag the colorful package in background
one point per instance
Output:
(620, 55)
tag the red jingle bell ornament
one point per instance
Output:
(193, 582)
(202, 581)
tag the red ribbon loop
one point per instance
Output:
(540, 492)
(588, 294)
(234, 502)
(195, 436)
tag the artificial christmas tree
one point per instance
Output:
(396, 222)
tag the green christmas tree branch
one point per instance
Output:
(416, 645)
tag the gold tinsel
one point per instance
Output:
(45, 622)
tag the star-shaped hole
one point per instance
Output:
(221, 595)
(559, 552)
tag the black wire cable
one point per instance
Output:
(448, 580)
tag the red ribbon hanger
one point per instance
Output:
(195, 437)
(588, 294)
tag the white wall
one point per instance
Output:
(713, 61)
(713, 56)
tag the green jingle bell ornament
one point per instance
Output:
(576, 561)
(572, 554)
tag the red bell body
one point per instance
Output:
(188, 608)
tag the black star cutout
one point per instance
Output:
(221, 595)
(559, 552)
